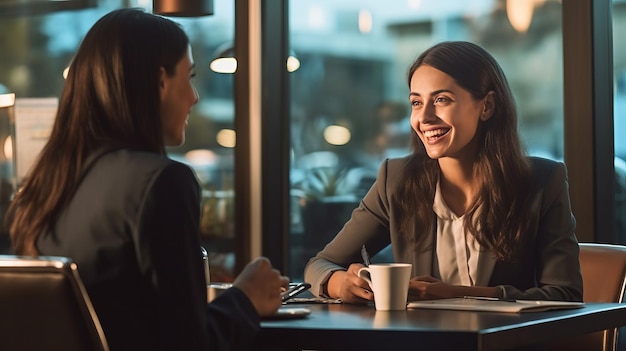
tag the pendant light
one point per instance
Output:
(182, 8)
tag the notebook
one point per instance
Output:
(494, 305)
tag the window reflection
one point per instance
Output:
(354, 59)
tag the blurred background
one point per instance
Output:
(349, 104)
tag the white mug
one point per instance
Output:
(389, 283)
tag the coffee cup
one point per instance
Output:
(389, 283)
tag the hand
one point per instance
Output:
(349, 287)
(262, 284)
(429, 288)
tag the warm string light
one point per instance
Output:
(337, 135)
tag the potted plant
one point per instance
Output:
(327, 200)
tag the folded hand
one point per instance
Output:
(262, 284)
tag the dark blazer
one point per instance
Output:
(132, 227)
(548, 269)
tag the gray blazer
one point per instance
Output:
(132, 227)
(548, 269)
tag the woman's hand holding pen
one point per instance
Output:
(347, 286)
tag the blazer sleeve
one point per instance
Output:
(169, 255)
(369, 224)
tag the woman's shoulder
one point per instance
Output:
(393, 171)
(543, 167)
(402, 162)
(135, 159)
(133, 166)
(545, 163)
(547, 174)
(398, 165)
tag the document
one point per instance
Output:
(494, 305)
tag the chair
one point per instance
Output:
(603, 267)
(44, 306)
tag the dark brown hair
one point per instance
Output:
(110, 100)
(498, 216)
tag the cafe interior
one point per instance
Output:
(300, 101)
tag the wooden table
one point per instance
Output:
(352, 327)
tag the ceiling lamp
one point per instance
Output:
(182, 8)
(226, 62)
(292, 62)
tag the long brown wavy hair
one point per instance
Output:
(110, 100)
(498, 216)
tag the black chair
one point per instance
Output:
(44, 306)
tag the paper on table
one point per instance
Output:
(518, 306)
(322, 300)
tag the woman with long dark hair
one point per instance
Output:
(468, 209)
(104, 193)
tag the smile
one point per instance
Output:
(435, 134)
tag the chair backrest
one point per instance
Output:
(603, 267)
(44, 306)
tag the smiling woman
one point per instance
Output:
(354, 57)
(467, 208)
(104, 193)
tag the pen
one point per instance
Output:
(294, 290)
(485, 298)
(365, 255)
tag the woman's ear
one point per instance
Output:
(489, 106)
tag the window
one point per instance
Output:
(349, 98)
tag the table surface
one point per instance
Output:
(344, 326)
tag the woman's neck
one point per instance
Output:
(458, 184)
